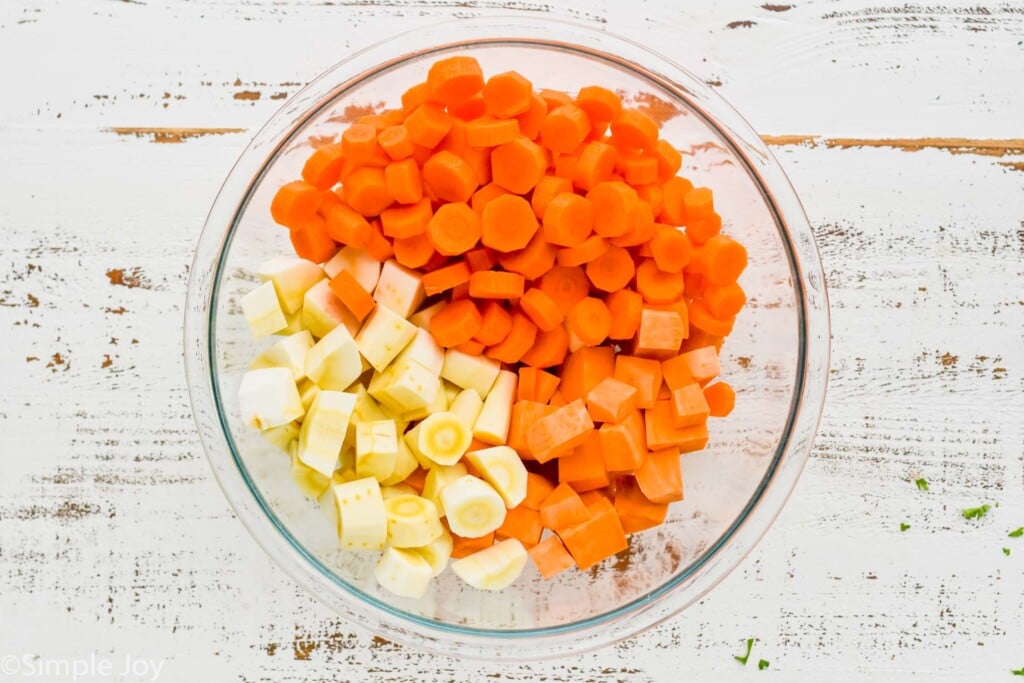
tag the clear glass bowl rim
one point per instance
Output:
(626, 620)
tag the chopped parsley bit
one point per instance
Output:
(763, 664)
(976, 513)
(1017, 533)
(1018, 672)
(750, 645)
(904, 526)
(922, 484)
(1006, 551)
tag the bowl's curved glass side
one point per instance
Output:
(668, 568)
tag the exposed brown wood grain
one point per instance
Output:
(171, 135)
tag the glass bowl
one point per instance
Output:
(777, 357)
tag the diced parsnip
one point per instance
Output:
(403, 572)
(425, 350)
(323, 430)
(333, 362)
(444, 438)
(329, 509)
(376, 449)
(502, 468)
(263, 311)
(438, 477)
(492, 424)
(438, 551)
(412, 440)
(405, 464)
(404, 387)
(343, 475)
(473, 507)
(322, 311)
(366, 410)
(294, 325)
(470, 372)
(311, 483)
(661, 333)
(347, 461)
(412, 521)
(268, 397)
(397, 490)
(364, 520)
(399, 289)
(383, 337)
(307, 392)
(450, 390)
(289, 352)
(467, 406)
(292, 278)
(440, 404)
(422, 317)
(493, 568)
(360, 265)
(282, 436)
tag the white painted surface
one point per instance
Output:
(114, 538)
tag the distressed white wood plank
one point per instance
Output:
(114, 538)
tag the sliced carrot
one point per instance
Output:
(376, 245)
(536, 385)
(472, 348)
(669, 159)
(651, 194)
(564, 165)
(480, 258)
(568, 220)
(612, 400)
(596, 539)
(725, 301)
(541, 309)
(673, 200)
(346, 226)
(532, 261)
(661, 333)
(537, 489)
(508, 223)
(641, 226)
(404, 182)
(395, 142)
(560, 432)
(454, 229)
(626, 307)
(495, 284)
(518, 165)
(406, 221)
(595, 164)
(611, 271)
(584, 369)
(449, 177)
(564, 129)
(454, 79)
(566, 286)
(635, 511)
(720, 260)
(671, 250)
(531, 119)
(662, 432)
(415, 251)
(657, 286)
(323, 168)
(721, 399)
(479, 159)
(549, 348)
(295, 203)
(689, 407)
(554, 98)
(590, 321)
(557, 400)
(414, 97)
(495, 324)
(702, 229)
(586, 251)
(562, 509)
(484, 195)
(518, 341)
(491, 132)
(701, 319)
(366, 190)
(550, 557)
(583, 469)
(456, 323)
(311, 240)
(464, 547)
(599, 103)
(635, 129)
(359, 143)
(699, 202)
(470, 109)
(523, 524)
(638, 169)
(428, 124)
(660, 477)
(351, 293)
(624, 444)
(507, 94)
(644, 374)
(443, 279)
(524, 414)
(547, 188)
(417, 479)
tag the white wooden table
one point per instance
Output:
(901, 128)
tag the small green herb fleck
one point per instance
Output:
(922, 484)
(904, 526)
(976, 513)
(762, 665)
(750, 645)
(1018, 672)
(1006, 551)
(1016, 533)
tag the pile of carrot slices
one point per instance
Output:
(563, 244)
